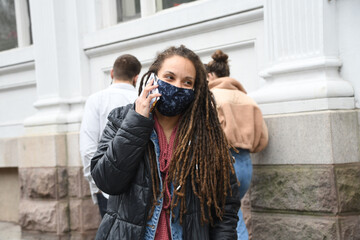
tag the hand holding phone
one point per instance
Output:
(148, 98)
(154, 100)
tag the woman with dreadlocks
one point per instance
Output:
(241, 120)
(167, 165)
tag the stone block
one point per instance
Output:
(90, 215)
(292, 140)
(299, 188)
(44, 216)
(75, 176)
(75, 214)
(38, 182)
(271, 226)
(325, 137)
(63, 217)
(84, 216)
(48, 183)
(42, 151)
(85, 188)
(9, 195)
(73, 153)
(350, 227)
(38, 216)
(62, 182)
(9, 152)
(348, 187)
(344, 136)
(90, 235)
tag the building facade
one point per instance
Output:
(299, 59)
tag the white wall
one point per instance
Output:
(349, 42)
(17, 90)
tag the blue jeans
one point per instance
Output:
(243, 170)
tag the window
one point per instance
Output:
(127, 10)
(8, 35)
(164, 4)
(116, 11)
(15, 28)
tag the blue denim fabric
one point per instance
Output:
(176, 229)
(243, 170)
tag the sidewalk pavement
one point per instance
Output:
(10, 231)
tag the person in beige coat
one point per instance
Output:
(242, 121)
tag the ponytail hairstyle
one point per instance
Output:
(201, 159)
(219, 65)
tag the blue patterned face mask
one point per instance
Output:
(173, 100)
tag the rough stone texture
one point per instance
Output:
(75, 175)
(62, 182)
(90, 215)
(44, 216)
(75, 214)
(350, 227)
(44, 236)
(85, 188)
(292, 139)
(269, 226)
(42, 151)
(348, 187)
(300, 188)
(83, 236)
(42, 183)
(8, 152)
(38, 216)
(38, 182)
(63, 216)
(84, 216)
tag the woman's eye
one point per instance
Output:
(188, 83)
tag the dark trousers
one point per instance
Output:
(102, 203)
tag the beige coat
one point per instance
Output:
(239, 115)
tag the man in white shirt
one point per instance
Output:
(121, 92)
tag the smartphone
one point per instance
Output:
(155, 99)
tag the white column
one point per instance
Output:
(60, 63)
(301, 45)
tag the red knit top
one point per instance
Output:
(163, 231)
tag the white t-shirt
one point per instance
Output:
(97, 108)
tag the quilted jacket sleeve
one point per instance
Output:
(226, 228)
(121, 148)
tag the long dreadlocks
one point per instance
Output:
(201, 155)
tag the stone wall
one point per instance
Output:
(55, 201)
(9, 195)
(319, 199)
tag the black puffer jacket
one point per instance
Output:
(121, 168)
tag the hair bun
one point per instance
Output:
(219, 56)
